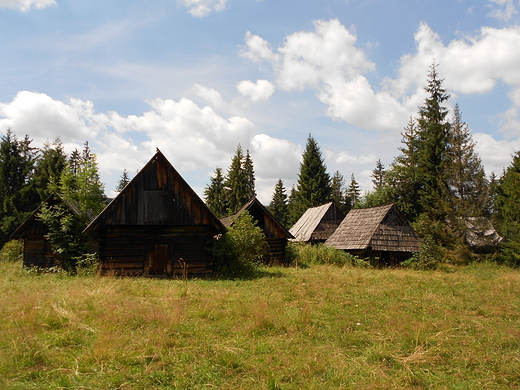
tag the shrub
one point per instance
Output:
(12, 251)
(240, 251)
(87, 264)
(304, 254)
(428, 257)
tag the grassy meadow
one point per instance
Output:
(321, 327)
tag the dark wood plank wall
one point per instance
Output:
(125, 251)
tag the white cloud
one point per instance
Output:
(261, 90)
(496, 155)
(25, 5)
(504, 9)
(202, 8)
(208, 94)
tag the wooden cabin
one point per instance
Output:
(37, 249)
(317, 223)
(276, 234)
(480, 235)
(156, 226)
(381, 232)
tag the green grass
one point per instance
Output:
(322, 327)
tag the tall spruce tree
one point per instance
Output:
(508, 210)
(237, 182)
(339, 192)
(215, 194)
(18, 195)
(314, 187)
(49, 166)
(123, 181)
(378, 175)
(465, 175)
(278, 206)
(249, 174)
(353, 192)
(432, 149)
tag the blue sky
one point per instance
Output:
(196, 77)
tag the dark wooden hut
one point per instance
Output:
(317, 223)
(276, 234)
(37, 250)
(380, 232)
(156, 226)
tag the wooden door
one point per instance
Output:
(159, 259)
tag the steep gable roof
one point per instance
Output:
(271, 226)
(157, 195)
(381, 228)
(317, 223)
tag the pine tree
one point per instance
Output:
(508, 208)
(215, 194)
(353, 192)
(48, 167)
(18, 195)
(123, 181)
(432, 149)
(237, 182)
(249, 174)
(313, 188)
(278, 206)
(465, 175)
(339, 192)
(378, 175)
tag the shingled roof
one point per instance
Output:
(381, 228)
(317, 223)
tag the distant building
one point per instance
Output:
(381, 232)
(276, 234)
(317, 223)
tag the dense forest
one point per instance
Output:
(437, 180)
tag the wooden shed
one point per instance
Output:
(381, 232)
(275, 233)
(156, 226)
(37, 250)
(317, 223)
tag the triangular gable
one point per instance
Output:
(157, 195)
(271, 226)
(381, 228)
(306, 228)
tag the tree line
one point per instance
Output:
(438, 182)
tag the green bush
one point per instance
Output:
(12, 251)
(87, 264)
(428, 257)
(304, 254)
(240, 251)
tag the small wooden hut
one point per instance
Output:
(156, 226)
(317, 223)
(37, 249)
(275, 233)
(380, 232)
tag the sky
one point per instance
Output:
(196, 78)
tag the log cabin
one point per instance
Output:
(317, 223)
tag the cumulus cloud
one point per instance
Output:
(261, 90)
(209, 94)
(202, 8)
(328, 61)
(26, 5)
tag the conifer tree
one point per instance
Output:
(278, 206)
(237, 182)
(49, 167)
(465, 175)
(339, 192)
(508, 208)
(313, 188)
(249, 174)
(123, 181)
(215, 194)
(378, 175)
(353, 192)
(18, 195)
